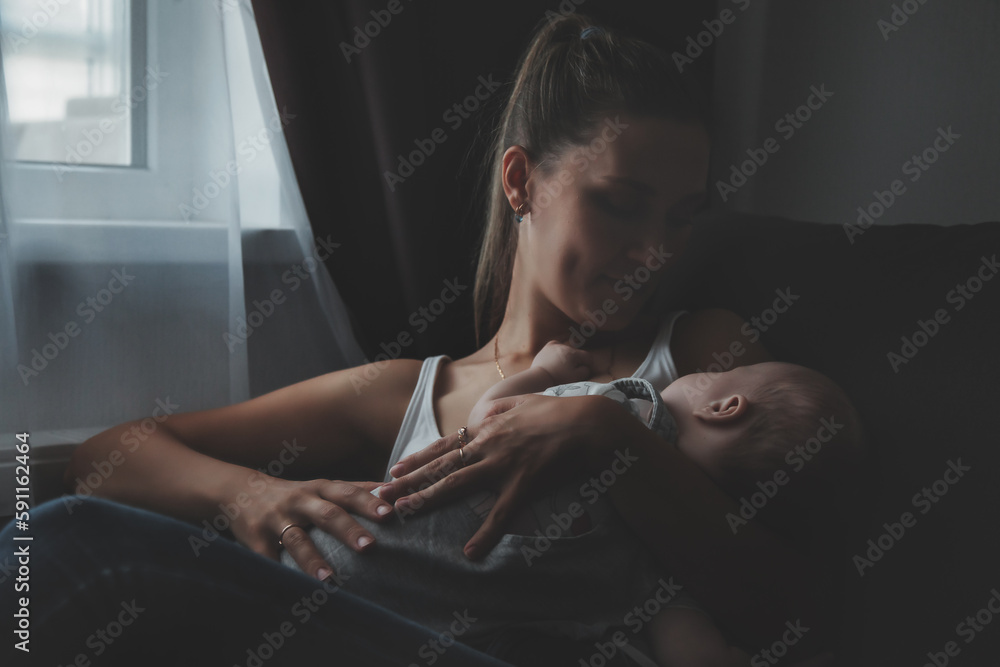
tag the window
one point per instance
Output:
(130, 112)
(68, 70)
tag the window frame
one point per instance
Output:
(158, 121)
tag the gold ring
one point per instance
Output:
(462, 434)
(282, 535)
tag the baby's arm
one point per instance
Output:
(526, 382)
(688, 638)
(556, 363)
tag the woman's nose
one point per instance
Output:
(657, 248)
(651, 259)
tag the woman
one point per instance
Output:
(599, 164)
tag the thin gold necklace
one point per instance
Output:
(496, 357)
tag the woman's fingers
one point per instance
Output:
(426, 455)
(493, 527)
(367, 486)
(447, 489)
(441, 481)
(297, 506)
(300, 547)
(426, 467)
(329, 508)
(348, 498)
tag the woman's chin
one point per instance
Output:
(604, 318)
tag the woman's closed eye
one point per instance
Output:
(635, 209)
(680, 219)
(620, 208)
(685, 216)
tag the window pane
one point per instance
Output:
(67, 68)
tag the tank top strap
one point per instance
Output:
(659, 367)
(418, 422)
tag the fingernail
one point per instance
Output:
(396, 469)
(322, 573)
(403, 503)
(364, 541)
(472, 551)
(382, 510)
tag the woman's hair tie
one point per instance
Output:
(589, 31)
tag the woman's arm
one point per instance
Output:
(196, 465)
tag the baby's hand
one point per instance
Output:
(564, 363)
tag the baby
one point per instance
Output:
(739, 427)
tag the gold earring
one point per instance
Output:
(518, 214)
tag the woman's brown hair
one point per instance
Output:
(574, 74)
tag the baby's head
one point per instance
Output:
(743, 425)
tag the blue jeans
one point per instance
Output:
(119, 585)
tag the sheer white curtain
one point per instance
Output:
(187, 278)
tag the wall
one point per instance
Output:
(893, 85)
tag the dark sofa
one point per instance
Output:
(933, 408)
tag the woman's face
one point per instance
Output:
(611, 216)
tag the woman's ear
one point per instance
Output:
(516, 166)
(720, 411)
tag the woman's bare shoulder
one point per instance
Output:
(714, 336)
(393, 375)
(388, 385)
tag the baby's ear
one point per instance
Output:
(722, 410)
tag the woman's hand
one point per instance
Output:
(321, 502)
(524, 445)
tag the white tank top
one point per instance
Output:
(419, 428)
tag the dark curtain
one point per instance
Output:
(404, 243)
